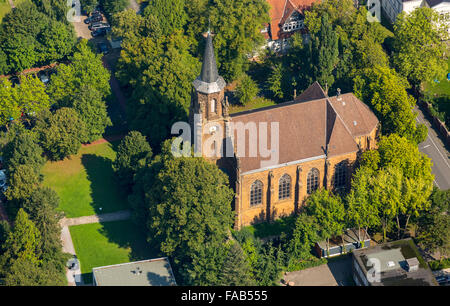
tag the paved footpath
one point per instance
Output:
(74, 277)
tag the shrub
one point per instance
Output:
(247, 89)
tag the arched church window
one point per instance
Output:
(256, 193)
(284, 187)
(340, 175)
(312, 181)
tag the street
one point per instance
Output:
(435, 149)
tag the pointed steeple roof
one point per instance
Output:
(209, 80)
(209, 67)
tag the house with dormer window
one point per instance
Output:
(286, 18)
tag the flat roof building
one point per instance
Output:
(396, 263)
(151, 272)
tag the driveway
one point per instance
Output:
(338, 272)
(435, 149)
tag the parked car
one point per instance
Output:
(98, 25)
(103, 47)
(100, 32)
(93, 18)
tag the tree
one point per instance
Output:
(328, 212)
(236, 271)
(57, 39)
(22, 183)
(385, 92)
(31, 95)
(91, 109)
(9, 104)
(303, 237)
(433, 228)
(131, 26)
(114, 6)
(170, 14)
(188, 205)
(132, 154)
(274, 81)
(23, 240)
(22, 149)
(61, 133)
(419, 45)
(86, 69)
(41, 208)
(247, 89)
(361, 210)
(89, 5)
(237, 25)
(324, 52)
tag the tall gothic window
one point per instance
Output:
(340, 175)
(256, 193)
(213, 105)
(284, 187)
(312, 180)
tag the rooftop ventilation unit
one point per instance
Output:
(412, 264)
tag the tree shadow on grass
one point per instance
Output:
(107, 196)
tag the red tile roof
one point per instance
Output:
(307, 128)
(280, 10)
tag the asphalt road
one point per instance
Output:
(435, 149)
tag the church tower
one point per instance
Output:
(208, 110)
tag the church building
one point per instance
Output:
(318, 140)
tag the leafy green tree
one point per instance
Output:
(55, 9)
(247, 89)
(4, 66)
(61, 133)
(324, 52)
(114, 6)
(21, 51)
(22, 183)
(23, 272)
(23, 240)
(89, 5)
(57, 40)
(86, 69)
(41, 208)
(274, 81)
(131, 26)
(188, 205)
(92, 110)
(328, 212)
(236, 271)
(361, 210)
(132, 154)
(22, 149)
(9, 104)
(303, 237)
(237, 25)
(31, 95)
(171, 14)
(419, 45)
(385, 92)
(433, 227)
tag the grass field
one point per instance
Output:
(4, 8)
(86, 183)
(102, 244)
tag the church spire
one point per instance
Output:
(209, 80)
(209, 68)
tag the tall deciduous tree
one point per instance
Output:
(385, 92)
(61, 133)
(132, 154)
(419, 45)
(171, 14)
(329, 213)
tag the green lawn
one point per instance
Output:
(86, 183)
(441, 88)
(4, 8)
(275, 228)
(109, 243)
